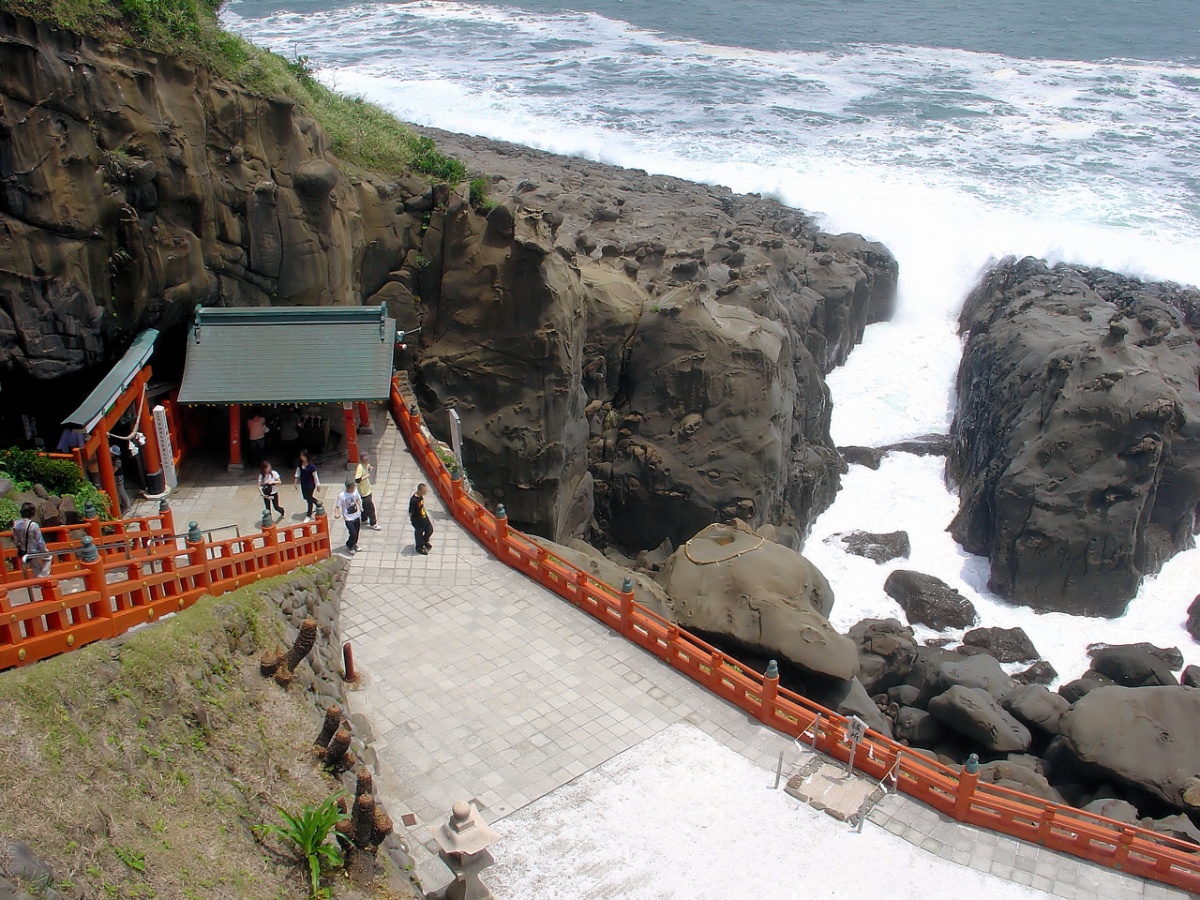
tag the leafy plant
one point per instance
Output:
(308, 833)
(479, 193)
(448, 460)
(131, 858)
(58, 476)
(9, 512)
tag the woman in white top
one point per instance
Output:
(268, 486)
(349, 506)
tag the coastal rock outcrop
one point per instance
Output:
(1077, 432)
(731, 583)
(879, 548)
(927, 600)
(707, 324)
(1144, 738)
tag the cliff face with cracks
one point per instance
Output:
(662, 346)
(634, 355)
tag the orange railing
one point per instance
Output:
(951, 791)
(142, 569)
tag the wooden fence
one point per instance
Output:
(954, 792)
(107, 577)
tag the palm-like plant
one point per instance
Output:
(308, 833)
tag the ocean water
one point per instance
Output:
(954, 133)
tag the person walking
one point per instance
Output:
(362, 477)
(28, 539)
(256, 430)
(308, 481)
(422, 527)
(268, 486)
(118, 467)
(289, 433)
(349, 506)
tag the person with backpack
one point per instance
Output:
(308, 480)
(417, 514)
(362, 477)
(268, 486)
(349, 506)
(28, 539)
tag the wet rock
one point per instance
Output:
(878, 547)
(923, 445)
(1041, 672)
(1193, 618)
(927, 600)
(1145, 738)
(1075, 450)
(976, 715)
(1171, 657)
(1090, 680)
(870, 457)
(981, 672)
(1132, 667)
(729, 581)
(1190, 677)
(1004, 644)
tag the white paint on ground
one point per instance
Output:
(681, 815)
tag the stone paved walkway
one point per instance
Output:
(480, 684)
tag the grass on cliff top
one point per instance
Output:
(362, 133)
(137, 767)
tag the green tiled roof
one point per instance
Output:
(289, 354)
(99, 401)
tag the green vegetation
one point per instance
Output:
(309, 833)
(60, 477)
(362, 133)
(479, 194)
(140, 767)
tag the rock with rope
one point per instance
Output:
(733, 584)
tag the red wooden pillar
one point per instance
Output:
(235, 438)
(364, 418)
(108, 479)
(351, 433)
(155, 482)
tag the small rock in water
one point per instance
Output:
(1006, 644)
(927, 600)
(878, 547)
(1041, 672)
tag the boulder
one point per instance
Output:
(1193, 618)
(1132, 667)
(1112, 808)
(47, 514)
(645, 590)
(923, 445)
(917, 728)
(1041, 672)
(904, 694)
(1036, 707)
(927, 600)
(1090, 680)
(878, 547)
(315, 179)
(926, 664)
(1171, 657)
(68, 511)
(1077, 432)
(980, 672)
(1018, 778)
(728, 581)
(1145, 738)
(849, 698)
(886, 652)
(1179, 827)
(1190, 677)
(1006, 645)
(975, 714)
(870, 457)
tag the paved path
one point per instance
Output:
(482, 685)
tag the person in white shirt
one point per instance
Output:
(268, 486)
(348, 506)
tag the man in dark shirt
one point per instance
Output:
(422, 527)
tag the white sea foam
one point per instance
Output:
(951, 158)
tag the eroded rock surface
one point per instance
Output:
(1077, 432)
(927, 600)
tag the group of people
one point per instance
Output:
(355, 504)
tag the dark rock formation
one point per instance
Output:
(1036, 707)
(1132, 667)
(980, 672)
(730, 582)
(849, 698)
(1190, 677)
(927, 600)
(1004, 644)
(924, 445)
(878, 547)
(700, 326)
(1193, 618)
(870, 457)
(918, 728)
(1018, 778)
(1077, 432)
(1041, 672)
(886, 652)
(1072, 691)
(975, 714)
(1144, 738)
(1171, 657)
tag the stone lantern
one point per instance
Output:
(464, 840)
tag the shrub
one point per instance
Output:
(308, 834)
(9, 513)
(58, 476)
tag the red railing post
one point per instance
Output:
(770, 691)
(627, 607)
(501, 523)
(965, 790)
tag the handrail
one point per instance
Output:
(121, 591)
(1134, 850)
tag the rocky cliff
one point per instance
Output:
(1077, 432)
(639, 352)
(631, 355)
